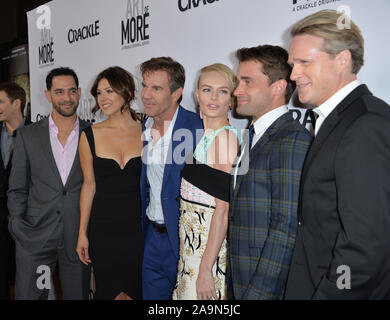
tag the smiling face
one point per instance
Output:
(214, 95)
(156, 95)
(254, 92)
(315, 72)
(108, 100)
(64, 95)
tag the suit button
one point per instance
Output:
(299, 223)
(58, 212)
(64, 192)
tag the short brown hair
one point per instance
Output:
(324, 24)
(14, 91)
(227, 73)
(175, 71)
(122, 82)
(274, 60)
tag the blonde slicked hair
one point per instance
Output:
(227, 73)
(324, 24)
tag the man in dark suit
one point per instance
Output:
(263, 220)
(169, 137)
(44, 193)
(12, 104)
(342, 249)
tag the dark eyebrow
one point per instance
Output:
(246, 78)
(109, 87)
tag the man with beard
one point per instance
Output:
(43, 196)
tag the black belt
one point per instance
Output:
(160, 228)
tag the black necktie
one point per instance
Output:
(251, 134)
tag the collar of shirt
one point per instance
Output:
(260, 126)
(53, 127)
(149, 125)
(21, 124)
(264, 122)
(329, 105)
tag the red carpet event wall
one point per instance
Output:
(91, 35)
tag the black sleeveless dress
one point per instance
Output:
(115, 237)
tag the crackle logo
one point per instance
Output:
(299, 5)
(84, 32)
(135, 28)
(185, 5)
(46, 47)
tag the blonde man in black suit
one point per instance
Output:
(342, 249)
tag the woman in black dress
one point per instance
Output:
(110, 206)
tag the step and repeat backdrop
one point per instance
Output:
(90, 35)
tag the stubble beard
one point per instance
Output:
(64, 113)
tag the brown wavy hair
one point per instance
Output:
(122, 82)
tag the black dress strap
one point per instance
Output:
(213, 181)
(91, 140)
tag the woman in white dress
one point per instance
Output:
(205, 191)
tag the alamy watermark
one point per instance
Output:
(44, 280)
(344, 280)
(344, 21)
(44, 20)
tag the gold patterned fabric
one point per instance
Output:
(194, 226)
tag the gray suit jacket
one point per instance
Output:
(37, 199)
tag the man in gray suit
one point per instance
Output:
(44, 193)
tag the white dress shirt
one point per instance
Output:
(156, 158)
(329, 105)
(261, 125)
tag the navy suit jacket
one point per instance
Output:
(187, 128)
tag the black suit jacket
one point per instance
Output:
(4, 177)
(344, 213)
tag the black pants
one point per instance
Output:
(5, 263)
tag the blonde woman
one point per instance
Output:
(204, 203)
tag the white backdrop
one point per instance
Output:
(194, 32)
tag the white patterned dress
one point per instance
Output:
(199, 187)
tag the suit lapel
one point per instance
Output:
(46, 147)
(257, 148)
(76, 161)
(330, 124)
(1, 157)
(179, 123)
(327, 127)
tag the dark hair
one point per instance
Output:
(176, 72)
(122, 82)
(14, 91)
(62, 71)
(274, 60)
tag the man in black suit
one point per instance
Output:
(12, 103)
(342, 249)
